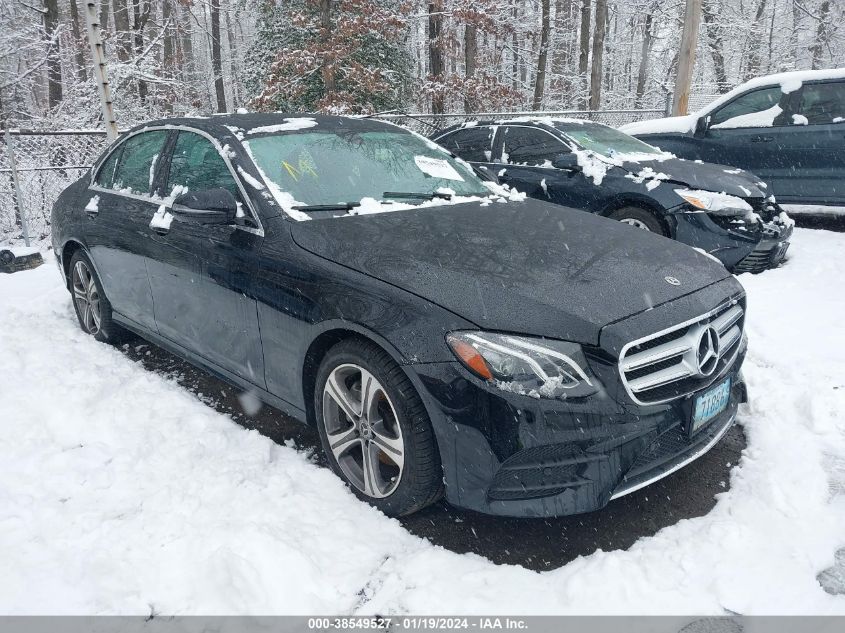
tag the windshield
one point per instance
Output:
(606, 141)
(341, 166)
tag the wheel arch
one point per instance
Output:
(69, 248)
(642, 202)
(330, 335)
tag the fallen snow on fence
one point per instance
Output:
(120, 492)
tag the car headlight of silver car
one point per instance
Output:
(715, 203)
(541, 368)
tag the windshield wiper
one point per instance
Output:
(416, 195)
(341, 206)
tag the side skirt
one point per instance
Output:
(201, 363)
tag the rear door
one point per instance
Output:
(117, 219)
(525, 154)
(201, 275)
(817, 143)
(754, 132)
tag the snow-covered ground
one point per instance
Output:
(120, 492)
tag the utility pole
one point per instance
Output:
(100, 72)
(686, 57)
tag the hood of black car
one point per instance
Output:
(528, 267)
(706, 176)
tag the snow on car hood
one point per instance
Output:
(698, 175)
(528, 267)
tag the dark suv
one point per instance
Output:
(531, 359)
(722, 211)
(789, 129)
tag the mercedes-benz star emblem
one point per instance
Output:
(673, 280)
(708, 351)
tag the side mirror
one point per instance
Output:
(568, 161)
(701, 125)
(209, 206)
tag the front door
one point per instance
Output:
(525, 155)
(201, 275)
(754, 132)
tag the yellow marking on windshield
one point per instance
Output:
(291, 170)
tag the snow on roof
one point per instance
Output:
(788, 81)
(545, 120)
(289, 125)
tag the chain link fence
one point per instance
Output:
(429, 123)
(48, 161)
(44, 163)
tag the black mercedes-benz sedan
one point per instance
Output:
(442, 333)
(586, 165)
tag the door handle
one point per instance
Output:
(762, 139)
(160, 230)
(91, 213)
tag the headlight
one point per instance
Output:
(715, 203)
(535, 367)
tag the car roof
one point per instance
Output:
(241, 124)
(788, 81)
(545, 122)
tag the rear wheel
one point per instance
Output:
(639, 218)
(375, 430)
(92, 308)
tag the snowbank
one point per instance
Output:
(120, 492)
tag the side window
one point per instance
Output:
(105, 177)
(472, 143)
(530, 146)
(197, 165)
(822, 103)
(138, 161)
(760, 108)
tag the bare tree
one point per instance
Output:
(584, 48)
(540, 80)
(78, 42)
(752, 69)
(435, 52)
(470, 59)
(54, 59)
(822, 34)
(714, 45)
(216, 60)
(598, 53)
(645, 52)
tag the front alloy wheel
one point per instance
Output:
(375, 430)
(363, 431)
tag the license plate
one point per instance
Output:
(710, 404)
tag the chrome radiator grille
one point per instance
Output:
(675, 362)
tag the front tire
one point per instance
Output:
(375, 430)
(90, 303)
(639, 218)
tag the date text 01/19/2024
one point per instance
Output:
(416, 623)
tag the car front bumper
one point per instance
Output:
(739, 249)
(513, 455)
